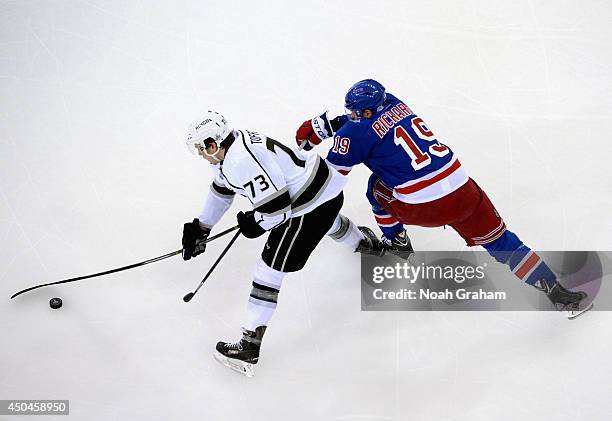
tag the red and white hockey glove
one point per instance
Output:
(314, 131)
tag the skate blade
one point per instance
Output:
(572, 314)
(246, 369)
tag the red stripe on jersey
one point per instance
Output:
(385, 219)
(527, 266)
(426, 183)
(344, 172)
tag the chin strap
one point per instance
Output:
(225, 144)
(214, 156)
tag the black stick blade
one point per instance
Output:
(188, 297)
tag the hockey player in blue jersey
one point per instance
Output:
(416, 180)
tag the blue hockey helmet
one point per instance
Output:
(366, 94)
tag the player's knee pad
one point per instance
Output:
(370, 192)
(505, 246)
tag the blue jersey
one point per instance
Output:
(397, 146)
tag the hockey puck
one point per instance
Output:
(55, 302)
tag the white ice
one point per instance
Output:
(94, 100)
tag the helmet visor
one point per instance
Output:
(353, 115)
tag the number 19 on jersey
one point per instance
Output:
(419, 158)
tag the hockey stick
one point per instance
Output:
(146, 262)
(190, 295)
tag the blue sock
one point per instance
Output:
(389, 226)
(523, 262)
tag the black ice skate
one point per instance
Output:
(399, 246)
(563, 299)
(242, 355)
(370, 244)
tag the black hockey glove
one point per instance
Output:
(248, 226)
(194, 239)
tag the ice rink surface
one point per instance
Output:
(94, 174)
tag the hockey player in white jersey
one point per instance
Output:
(295, 195)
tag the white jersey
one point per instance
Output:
(279, 181)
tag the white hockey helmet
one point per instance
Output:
(212, 127)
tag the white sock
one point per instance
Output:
(264, 296)
(344, 231)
